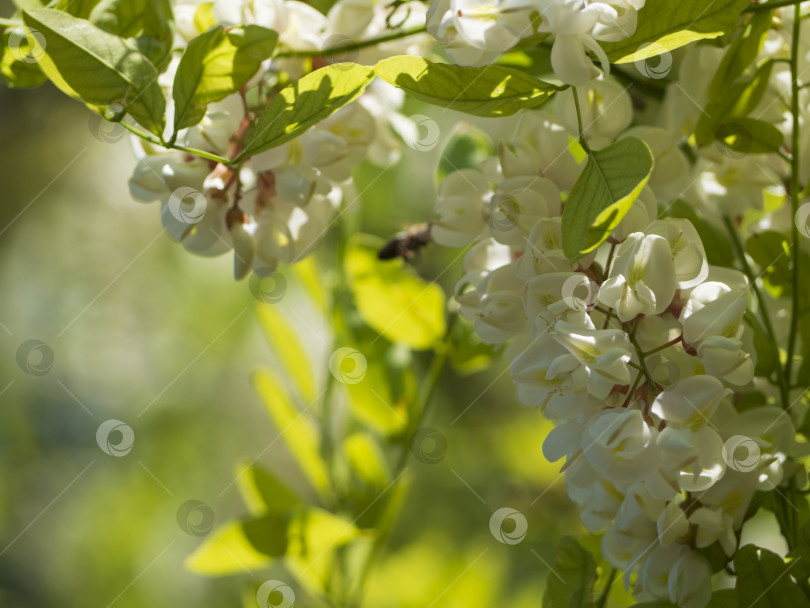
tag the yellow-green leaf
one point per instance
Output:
(665, 26)
(367, 460)
(262, 491)
(286, 345)
(482, 91)
(297, 430)
(392, 299)
(237, 545)
(603, 194)
(96, 67)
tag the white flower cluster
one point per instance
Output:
(637, 352)
(281, 202)
(475, 32)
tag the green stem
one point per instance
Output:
(602, 601)
(766, 6)
(582, 141)
(794, 189)
(352, 47)
(766, 318)
(663, 346)
(434, 373)
(158, 142)
(10, 23)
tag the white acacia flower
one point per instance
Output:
(602, 353)
(688, 254)
(544, 251)
(690, 581)
(672, 524)
(606, 111)
(620, 445)
(642, 277)
(517, 204)
(460, 204)
(713, 525)
(690, 403)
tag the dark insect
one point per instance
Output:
(406, 243)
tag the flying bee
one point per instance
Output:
(406, 243)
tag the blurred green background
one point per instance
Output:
(147, 334)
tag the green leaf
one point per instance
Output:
(262, 491)
(715, 241)
(468, 355)
(152, 21)
(298, 431)
(16, 72)
(749, 136)
(305, 102)
(216, 64)
(605, 191)
(753, 91)
(575, 571)
(771, 252)
(665, 26)
(367, 460)
(97, 67)
(381, 399)
(763, 575)
(123, 18)
(239, 545)
(484, 91)
(467, 148)
(289, 350)
(724, 598)
(767, 352)
(392, 299)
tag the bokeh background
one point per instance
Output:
(144, 333)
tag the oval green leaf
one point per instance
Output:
(306, 102)
(96, 67)
(484, 91)
(612, 179)
(392, 299)
(216, 64)
(664, 26)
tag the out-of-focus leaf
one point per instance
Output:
(288, 350)
(216, 64)
(665, 26)
(262, 491)
(467, 148)
(764, 575)
(575, 570)
(237, 545)
(392, 299)
(298, 431)
(717, 246)
(771, 252)
(367, 460)
(482, 91)
(306, 102)
(749, 136)
(308, 272)
(97, 67)
(468, 355)
(603, 194)
(17, 65)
